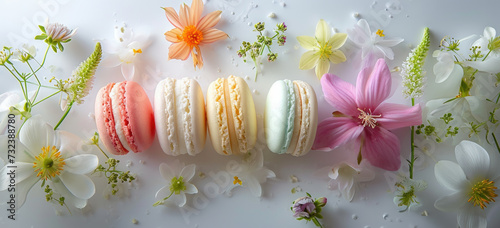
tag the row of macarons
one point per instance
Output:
(126, 120)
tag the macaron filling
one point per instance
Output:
(169, 111)
(305, 121)
(116, 104)
(109, 120)
(183, 101)
(221, 116)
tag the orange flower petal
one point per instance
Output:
(195, 12)
(197, 58)
(173, 17)
(174, 35)
(213, 35)
(209, 20)
(184, 15)
(179, 51)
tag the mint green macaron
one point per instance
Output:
(291, 117)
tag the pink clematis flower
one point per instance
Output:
(364, 116)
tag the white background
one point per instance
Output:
(95, 21)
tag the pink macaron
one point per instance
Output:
(124, 118)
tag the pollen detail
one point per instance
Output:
(192, 36)
(137, 51)
(367, 119)
(49, 163)
(237, 180)
(380, 33)
(483, 193)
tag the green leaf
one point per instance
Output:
(41, 37)
(42, 28)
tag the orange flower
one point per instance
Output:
(191, 32)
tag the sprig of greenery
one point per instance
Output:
(256, 49)
(111, 172)
(49, 196)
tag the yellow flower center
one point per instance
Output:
(325, 50)
(483, 193)
(192, 36)
(367, 119)
(49, 163)
(237, 180)
(380, 32)
(137, 51)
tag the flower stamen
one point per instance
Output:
(237, 180)
(137, 51)
(483, 193)
(49, 163)
(367, 119)
(380, 33)
(192, 36)
(177, 185)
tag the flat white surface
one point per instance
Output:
(372, 205)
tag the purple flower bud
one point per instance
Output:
(303, 207)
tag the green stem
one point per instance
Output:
(25, 93)
(43, 60)
(316, 222)
(496, 142)
(102, 151)
(486, 55)
(39, 85)
(160, 202)
(412, 138)
(38, 102)
(65, 114)
(44, 86)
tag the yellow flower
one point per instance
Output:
(191, 31)
(323, 49)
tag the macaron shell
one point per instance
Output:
(232, 122)
(198, 117)
(164, 112)
(306, 100)
(279, 116)
(217, 117)
(140, 116)
(243, 110)
(105, 122)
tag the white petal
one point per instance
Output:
(178, 199)
(452, 202)
(490, 65)
(450, 175)
(473, 159)
(190, 188)
(253, 185)
(489, 33)
(128, 71)
(70, 199)
(111, 61)
(472, 217)
(163, 192)
(166, 172)
(68, 143)
(21, 173)
(36, 134)
(23, 188)
(188, 172)
(346, 187)
(81, 164)
(80, 186)
(386, 51)
(390, 42)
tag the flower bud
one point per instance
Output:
(321, 202)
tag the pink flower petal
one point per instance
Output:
(335, 131)
(339, 94)
(373, 86)
(381, 148)
(398, 115)
(209, 20)
(173, 17)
